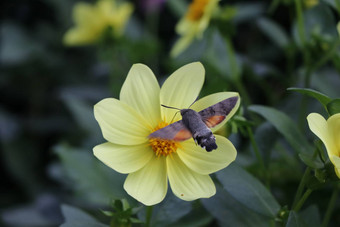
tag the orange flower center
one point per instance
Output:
(163, 147)
(196, 9)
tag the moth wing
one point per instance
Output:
(215, 114)
(175, 131)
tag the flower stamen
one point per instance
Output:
(163, 147)
(196, 9)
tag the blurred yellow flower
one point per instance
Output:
(92, 20)
(310, 3)
(150, 163)
(193, 24)
(329, 133)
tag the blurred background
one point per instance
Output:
(48, 89)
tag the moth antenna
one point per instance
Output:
(173, 117)
(193, 103)
(170, 107)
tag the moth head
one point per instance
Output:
(184, 111)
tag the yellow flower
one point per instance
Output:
(150, 163)
(193, 24)
(329, 133)
(310, 3)
(92, 20)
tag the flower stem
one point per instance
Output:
(330, 207)
(148, 215)
(301, 23)
(235, 70)
(337, 4)
(301, 186)
(302, 200)
(258, 156)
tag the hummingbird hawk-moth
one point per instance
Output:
(197, 124)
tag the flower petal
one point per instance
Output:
(181, 44)
(141, 91)
(120, 124)
(79, 36)
(203, 162)
(319, 127)
(149, 184)
(123, 159)
(334, 130)
(336, 162)
(187, 184)
(212, 99)
(181, 89)
(84, 13)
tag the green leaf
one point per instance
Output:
(83, 114)
(197, 217)
(94, 181)
(285, 126)
(274, 32)
(319, 21)
(311, 161)
(177, 7)
(248, 190)
(311, 216)
(248, 11)
(294, 220)
(333, 107)
(163, 213)
(75, 217)
(322, 98)
(292, 134)
(230, 212)
(266, 137)
(222, 57)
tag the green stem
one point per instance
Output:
(330, 207)
(326, 56)
(243, 92)
(235, 72)
(258, 155)
(273, 6)
(148, 215)
(301, 186)
(302, 200)
(337, 4)
(306, 58)
(301, 23)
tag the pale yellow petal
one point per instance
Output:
(84, 13)
(105, 7)
(318, 125)
(79, 36)
(212, 99)
(336, 162)
(120, 124)
(187, 184)
(334, 131)
(181, 44)
(203, 162)
(120, 19)
(141, 91)
(184, 26)
(122, 158)
(149, 184)
(181, 89)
